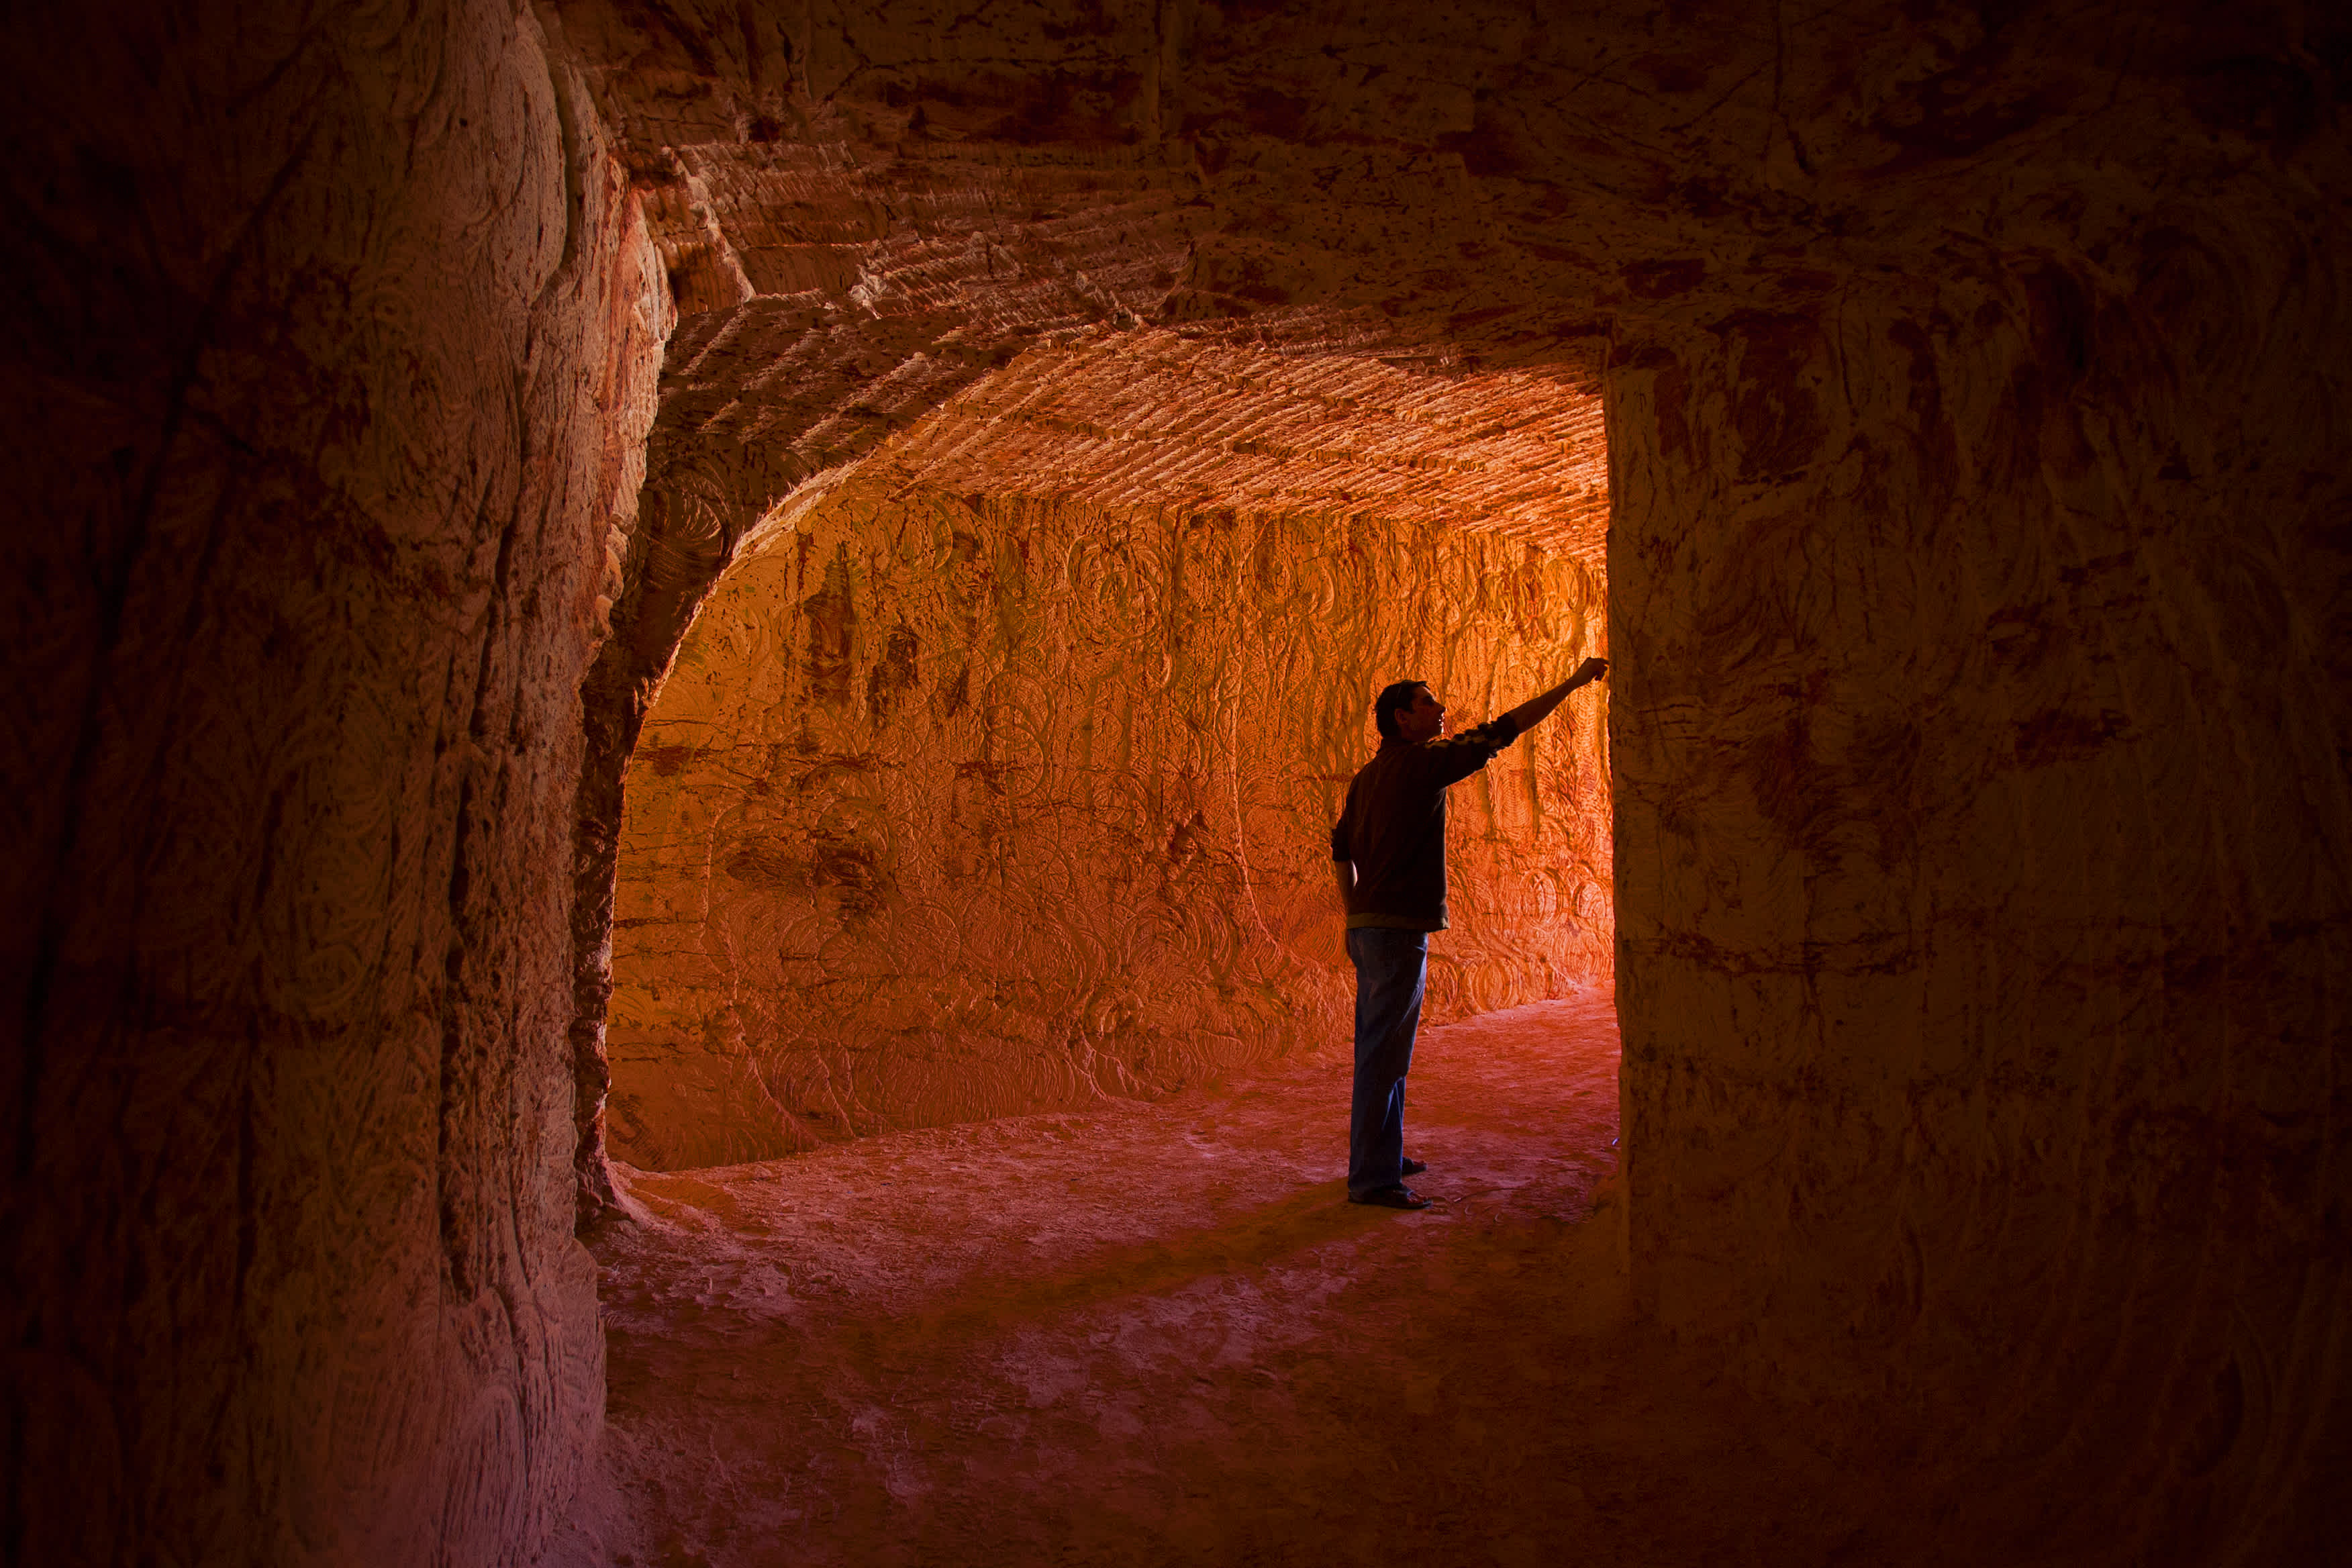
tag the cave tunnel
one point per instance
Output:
(414, 410)
(996, 775)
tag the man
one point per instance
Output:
(1389, 851)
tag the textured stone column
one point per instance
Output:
(331, 344)
(1981, 908)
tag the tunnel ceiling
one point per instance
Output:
(861, 215)
(1145, 418)
(860, 218)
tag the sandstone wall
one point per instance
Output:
(1981, 894)
(959, 806)
(330, 346)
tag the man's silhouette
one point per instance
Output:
(1389, 851)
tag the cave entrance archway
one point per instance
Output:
(993, 776)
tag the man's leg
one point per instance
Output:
(1392, 973)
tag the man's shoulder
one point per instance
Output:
(1391, 762)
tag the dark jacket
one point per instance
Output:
(1394, 826)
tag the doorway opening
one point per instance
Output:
(995, 775)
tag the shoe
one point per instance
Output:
(1414, 1167)
(1397, 1197)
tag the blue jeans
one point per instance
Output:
(1392, 972)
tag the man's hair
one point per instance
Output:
(1391, 702)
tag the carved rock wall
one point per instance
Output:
(1982, 930)
(958, 806)
(1977, 613)
(1971, 408)
(330, 355)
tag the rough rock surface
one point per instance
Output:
(1159, 1334)
(1981, 987)
(961, 807)
(1153, 1335)
(1977, 595)
(1137, 418)
(330, 356)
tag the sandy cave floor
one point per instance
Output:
(1157, 1333)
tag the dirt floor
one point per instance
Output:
(1157, 1334)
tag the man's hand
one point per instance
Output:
(1591, 670)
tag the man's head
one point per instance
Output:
(1408, 711)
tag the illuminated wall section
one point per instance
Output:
(956, 806)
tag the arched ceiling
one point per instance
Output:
(863, 211)
(1148, 418)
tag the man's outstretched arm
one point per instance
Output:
(1536, 709)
